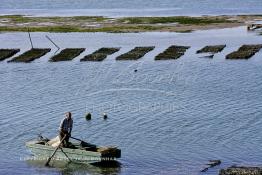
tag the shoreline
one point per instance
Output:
(183, 24)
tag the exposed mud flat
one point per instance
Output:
(19, 23)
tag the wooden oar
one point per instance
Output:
(76, 139)
(80, 140)
(66, 155)
(49, 159)
(84, 143)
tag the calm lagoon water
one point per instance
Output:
(170, 117)
(130, 8)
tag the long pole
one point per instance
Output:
(76, 139)
(29, 35)
(58, 48)
(66, 155)
(49, 159)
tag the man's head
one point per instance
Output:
(68, 115)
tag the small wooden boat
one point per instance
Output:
(82, 152)
(254, 26)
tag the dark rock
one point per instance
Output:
(241, 171)
(7, 53)
(136, 53)
(245, 52)
(173, 52)
(100, 54)
(67, 54)
(30, 55)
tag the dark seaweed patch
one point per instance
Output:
(245, 52)
(234, 170)
(136, 53)
(211, 49)
(67, 54)
(31, 55)
(173, 52)
(100, 54)
(7, 53)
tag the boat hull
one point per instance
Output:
(66, 154)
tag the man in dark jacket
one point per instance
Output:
(65, 128)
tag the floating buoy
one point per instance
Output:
(104, 116)
(135, 70)
(88, 116)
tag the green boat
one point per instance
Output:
(82, 152)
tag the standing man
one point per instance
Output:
(65, 128)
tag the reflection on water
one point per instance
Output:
(71, 168)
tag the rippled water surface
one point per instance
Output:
(169, 117)
(130, 8)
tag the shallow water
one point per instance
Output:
(169, 117)
(130, 8)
